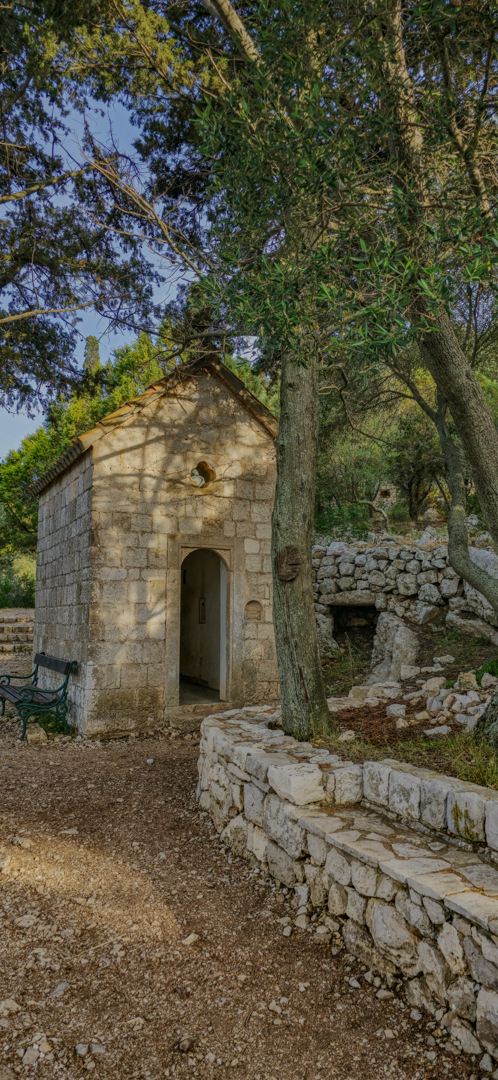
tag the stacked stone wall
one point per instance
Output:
(413, 581)
(63, 578)
(398, 861)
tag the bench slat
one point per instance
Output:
(39, 697)
(52, 663)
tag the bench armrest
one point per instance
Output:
(6, 679)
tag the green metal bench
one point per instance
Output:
(29, 700)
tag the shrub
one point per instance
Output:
(399, 512)
(490, 667)
(17, 580)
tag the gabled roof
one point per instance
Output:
(137, 404)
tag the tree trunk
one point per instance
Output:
(487, 724)
(304, 704)
(458, 537)
(462, 391)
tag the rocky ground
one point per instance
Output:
(133, 945)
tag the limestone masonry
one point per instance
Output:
(411, 581)
(184, 473)
(395, 859)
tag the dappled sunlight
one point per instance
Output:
(112, 893)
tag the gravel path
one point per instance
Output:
(133, 945)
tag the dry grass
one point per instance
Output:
(460, 755)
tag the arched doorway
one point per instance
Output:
(203, 636)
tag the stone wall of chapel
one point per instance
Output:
(146, 514)
(63, 578)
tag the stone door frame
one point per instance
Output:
(231, 552)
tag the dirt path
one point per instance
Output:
(107, 868)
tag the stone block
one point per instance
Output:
(461, 1034)
(436, 971)
(487, 1020)
(429, 594)
(451, 948)
(478, 909)
(358, 942)
(235, 835)
(376, 782)
(417, 993)
(465, 814)
(300, 783)
(408, 672)
(418, 917)
(257, 842)
(337, 867)
(355, 905)
(253, 804)
(461, 999)
(434, 910)
(491, 823)
(282, 867)
(408, 871)
(482, 970)
(404, 794)
(318, 885)
(280, 827)
(337, 899)
(317, 848)
(407, 584)
(387, 888)
(348, 784)
(364, 879)
(434, 793)
(392, 936)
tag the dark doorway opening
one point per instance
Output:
(203, 628)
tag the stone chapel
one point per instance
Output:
(154, 568)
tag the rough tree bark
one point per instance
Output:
(304, 704)
(302, 690)
(487, 725)
(475, 425)
(456, 381)
(458, 537)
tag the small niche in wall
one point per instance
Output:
(202, 474)
(253, 611)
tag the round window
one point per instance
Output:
(202, 474)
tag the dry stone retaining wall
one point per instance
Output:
(412, 581)
(398, 860)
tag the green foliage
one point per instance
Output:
(260, 383)
(352, 519)
(399, 512)
(414, 461)
(490, 667)
(59, 251)
(102, 390)
(17, 581)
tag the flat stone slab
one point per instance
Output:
(482, 877)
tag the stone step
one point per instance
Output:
(24, 615)
(16, 633)
(15, 648)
